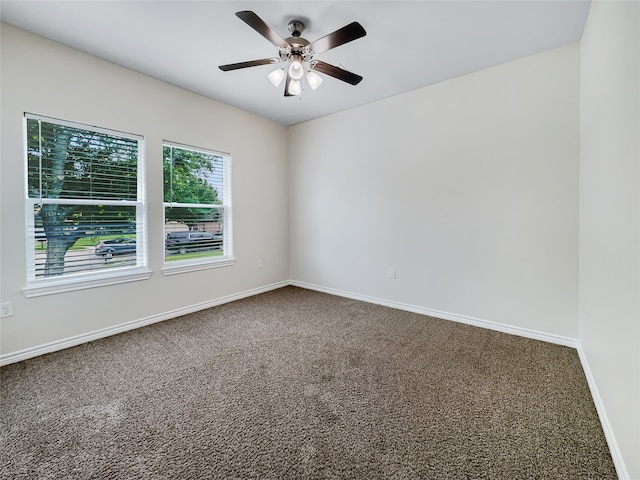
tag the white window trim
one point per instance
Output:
(47, 286)
(72, 284)
(191, 266)
(227, 259)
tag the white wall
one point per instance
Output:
(469, 188)
(609, 327)
(43, 77)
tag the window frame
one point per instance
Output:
(91, 278)
(227, 258)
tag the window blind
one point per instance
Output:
(85, 200)
(196, 204)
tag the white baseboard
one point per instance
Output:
(616, 455)
(20, 355)
(31, 352)
(500, 327)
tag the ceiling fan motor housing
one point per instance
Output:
(297, 43)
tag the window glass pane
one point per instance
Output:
(166, 172)
(196, 196)
(193, 233)
(70, 162)
(85, 211)
(192, 176)
(89, 238)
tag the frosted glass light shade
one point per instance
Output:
(294, 87)
(295, 70)
(276, 77)
(314, 80)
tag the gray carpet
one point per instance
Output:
(295, 384)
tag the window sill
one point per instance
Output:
(183, 267)
(70, 285)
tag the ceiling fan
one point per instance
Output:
(298, 54)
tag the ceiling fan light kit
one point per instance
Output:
(276, 77)
(295, 88)
(298, 54)
(295, 67)
(314, 79)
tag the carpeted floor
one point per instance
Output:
(295, 384)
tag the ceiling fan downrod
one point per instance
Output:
(296, 27)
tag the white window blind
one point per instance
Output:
(197, 205)
(85, 202)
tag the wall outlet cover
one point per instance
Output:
(6, 309)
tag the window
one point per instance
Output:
(197, 208)
(85, 205)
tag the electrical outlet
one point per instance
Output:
(392, 272)
(260, 263)
(6, 309)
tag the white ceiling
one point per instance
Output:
(409, 44)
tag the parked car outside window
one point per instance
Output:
(184, 242)
(116, 246)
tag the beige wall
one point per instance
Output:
(609, 328)
(468, 188)
(43, 77)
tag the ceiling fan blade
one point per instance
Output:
(255, 22)
(252, 63)
(337, 72)
(346, 34)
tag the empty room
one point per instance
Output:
(320, 239)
